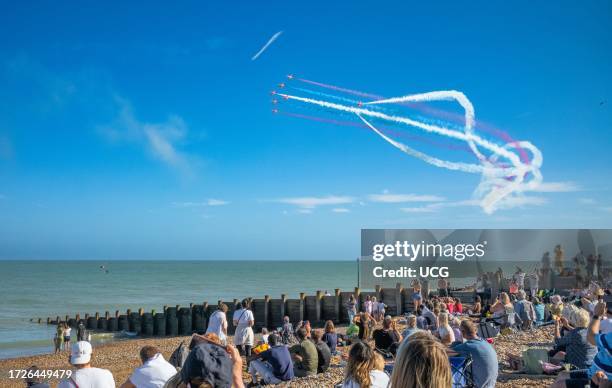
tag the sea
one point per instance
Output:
(39, 289)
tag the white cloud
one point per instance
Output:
(208, 202)
(217, 202)
(521, 201)
(340, 210)
(400, 198)
(556, 187)
(587, 201)
(304, 211)
(504, 204)
(422, 209)
(161, 139)
(312, 202)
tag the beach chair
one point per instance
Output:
(461, 369)
(487, 330)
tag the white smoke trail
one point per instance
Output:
(496, 183)
(265, 47)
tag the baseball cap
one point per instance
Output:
(80, 353)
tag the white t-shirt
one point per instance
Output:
(153, 373)
(89, 378)
(378, 378)
(445, 331)
(605, 326)
(216, 323)
(243, 316)
(67, 332)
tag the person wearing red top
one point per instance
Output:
(450, 306)
(458, 306)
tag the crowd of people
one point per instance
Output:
(441, 341)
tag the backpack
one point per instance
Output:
(178, 357)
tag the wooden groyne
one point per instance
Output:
(268, 312)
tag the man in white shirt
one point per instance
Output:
(217, 323)
(154, 372)
(86, 376)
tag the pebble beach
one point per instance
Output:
(121, 358)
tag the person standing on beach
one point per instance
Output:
(367, 305)
(519, 278)
(67, 331)
(287, 336)
(532, 282)
(244, 336)
(81, 332)
(590, 267)
(58, 340)
(86, 376)
(374, 313)
(417, 298)
(442, 287)
(217, 323)
(559, 256)
(351, 308)
(599, 262)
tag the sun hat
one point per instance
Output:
(80, 353)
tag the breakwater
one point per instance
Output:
(268, 312)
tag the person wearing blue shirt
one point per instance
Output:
(484, 358)
(273, 365)
(538, 306)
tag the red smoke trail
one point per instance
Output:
(457, 118)
(339, 89)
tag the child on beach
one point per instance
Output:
(286, 332)
(352, 332)
(58, 340)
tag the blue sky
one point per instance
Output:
(146, 132)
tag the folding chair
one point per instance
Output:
(461, 369)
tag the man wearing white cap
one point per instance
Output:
(86, 376)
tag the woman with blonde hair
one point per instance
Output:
(445, 331)
(502, 305)
(421, 363)
(365, 368)
(573, 347)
